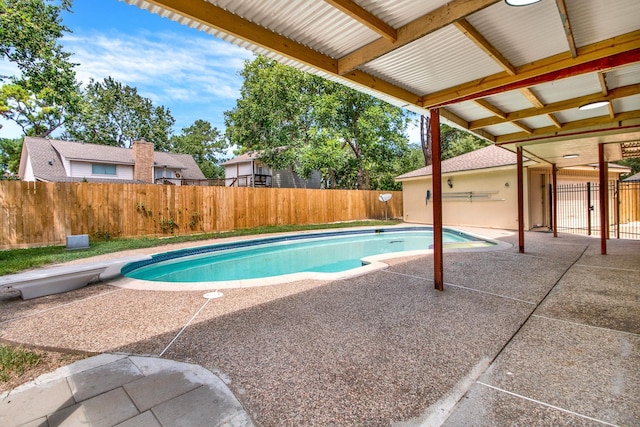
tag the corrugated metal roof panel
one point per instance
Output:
(572, 87)
(592, 20)
(574, 114)
(511, 29)
(509, 101)
(399, 13)
(443, 59)
(630, 103)
(502, 129)
(469, 111)
(315, 24)
(537, 122)
(623, 76)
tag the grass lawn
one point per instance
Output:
(15, 260)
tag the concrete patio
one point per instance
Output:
(549, 337)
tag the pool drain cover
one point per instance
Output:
(212, 295)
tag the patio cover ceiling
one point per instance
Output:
(513, 75)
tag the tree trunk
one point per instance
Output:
(425, 139)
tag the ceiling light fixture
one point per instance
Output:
(520, 2)
(592, 105)
(570, 156)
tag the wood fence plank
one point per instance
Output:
(47, 214)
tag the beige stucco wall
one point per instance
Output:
(498, 211)
(501, 209)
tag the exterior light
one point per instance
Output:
(592, 105)
(449, 183)
(520, 2)
(570, 156)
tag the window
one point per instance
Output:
(103, 169)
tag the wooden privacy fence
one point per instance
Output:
(35, 214)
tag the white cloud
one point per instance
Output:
(166, 64)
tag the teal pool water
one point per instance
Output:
(322, 253)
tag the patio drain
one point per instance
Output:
(213, 295)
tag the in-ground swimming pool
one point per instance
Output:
(321, 253)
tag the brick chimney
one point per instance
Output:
(143, 159)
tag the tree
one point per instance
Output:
(456, 142)
(46, 90)
(273, 113)
(372, 130)
(115, 114)
(305, 122)
(633, 163)
(425, 139)
(10, 150)
(203, 142)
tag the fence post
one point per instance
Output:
(616, 196)
(588, 209)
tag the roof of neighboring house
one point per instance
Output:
(633, 178)
(488, 157)
(243, 158)
(46, 159)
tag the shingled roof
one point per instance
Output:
(488, 157)
(46, 159)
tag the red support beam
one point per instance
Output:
(436, 155)
(601, 64)
(602, 171)
(520, 201)
(554, 181)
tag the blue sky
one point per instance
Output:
(191, 73)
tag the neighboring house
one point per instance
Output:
(480, 189)
(248, 170)
(63, 161)
(633, 178)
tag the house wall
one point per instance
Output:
(237, 169)
(500, 210)
(28, 170)
(568, 176)
(289, 179)
(84, 170)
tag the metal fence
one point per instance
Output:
(579, 209)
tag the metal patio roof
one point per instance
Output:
(513, 75)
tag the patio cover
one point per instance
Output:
(512, 75)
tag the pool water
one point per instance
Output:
(252, 259)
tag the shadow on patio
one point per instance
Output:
(549, 337)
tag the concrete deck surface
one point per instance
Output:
(549, 337)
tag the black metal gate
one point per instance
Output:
(579, 209)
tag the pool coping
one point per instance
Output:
(370, 264)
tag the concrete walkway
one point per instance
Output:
(549, 337)
(116, 390)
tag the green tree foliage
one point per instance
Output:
(273, 113)
(305, 122)
(456, 142)
(372, 130)
(634, 164)
(203, 142)
(46, 90)
(10, 150)
(115, 114)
